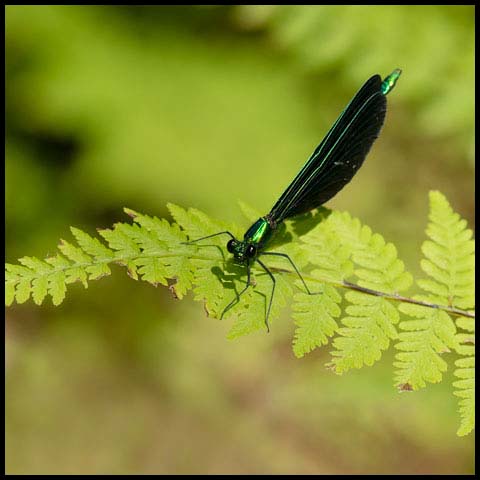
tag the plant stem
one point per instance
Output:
(400, 298)
(391, 296)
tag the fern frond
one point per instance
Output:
(465, 371)
(449, 256)
(449, 264)
(422, 341)
(250, 312)
(175, 254)
(38, 278)
(337, 248)
(315, 315)
(96, 250)
(465, 389)
(367, 331)
(329, 254)
(126, 250)
(370, 324)
(209, 271)
(314, 318)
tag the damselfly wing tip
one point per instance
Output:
(390, 81)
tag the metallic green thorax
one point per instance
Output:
(259, 233)
(390, 81)
(254, 240)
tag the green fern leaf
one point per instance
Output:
(39, 284)
(465, 389)
(366, 333)
(465, 371)
(449, 256)
(23, 290)
(9, 293)
(198, 224)
(421, 344)
(79, 259)
(169, 238)
(57, 287)
(382, 270)
(315, 315)
(350, 230)
(314, 318)
(37, 278)
(90, 245)
(150, 264)
(93, 247)
(370, 324)
(449, 264)
(250, 312)
(152, 270)
(17, 282)
(326, 251)
(121, 240)
(210, 277)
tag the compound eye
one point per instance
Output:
(230, 245)
(251, 251)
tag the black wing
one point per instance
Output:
(338, 157)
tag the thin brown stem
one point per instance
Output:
(400, 298)
(390, 296)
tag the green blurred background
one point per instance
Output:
(109, 107)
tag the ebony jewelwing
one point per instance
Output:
(330, 167)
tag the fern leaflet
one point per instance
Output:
(449, 264)
(465, 371)
(369, 326)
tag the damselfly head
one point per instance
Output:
(242, 251)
